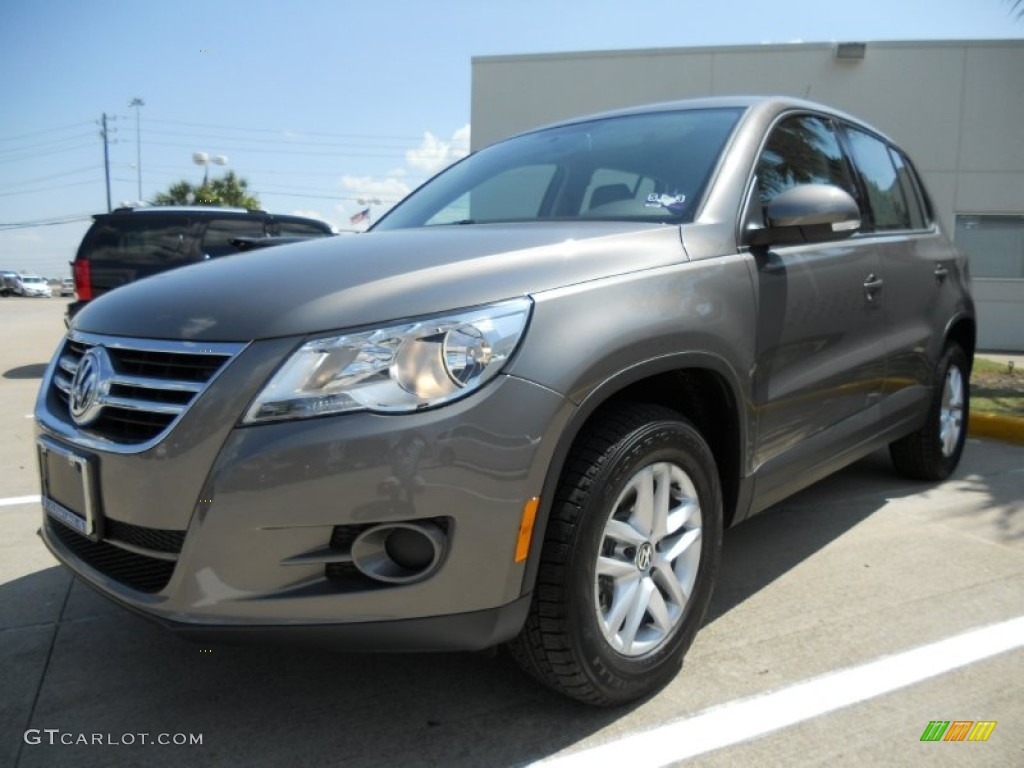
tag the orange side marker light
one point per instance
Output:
(526, 528)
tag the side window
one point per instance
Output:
(802, 150)
(298, 229)
(913, 189)
(220, 231)
(889, 208)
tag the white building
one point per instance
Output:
(957, 107)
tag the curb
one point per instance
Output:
(998, 426)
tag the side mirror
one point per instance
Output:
(808, 213)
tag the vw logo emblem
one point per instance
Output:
(644, 555)
(90, 386)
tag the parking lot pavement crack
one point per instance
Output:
(46, 667)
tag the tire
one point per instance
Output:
(618, 600)
(933, 451)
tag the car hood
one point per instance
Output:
(342, 282)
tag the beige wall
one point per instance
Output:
(956, 106)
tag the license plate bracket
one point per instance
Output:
(69, 490)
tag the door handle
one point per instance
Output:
(872, 285)
(940, 273)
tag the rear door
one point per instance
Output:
(820, 347)
(918, 268)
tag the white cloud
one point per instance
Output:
(369, 192)
(379, 194)
(433, 154)
(388, 190)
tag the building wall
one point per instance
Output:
(957, 107)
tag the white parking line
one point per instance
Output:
(746, 719)
(14, 501)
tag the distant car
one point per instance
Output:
(67, 287)
(32, 285)
(132, 243)
(7, 282)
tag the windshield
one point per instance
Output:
(28, 279)
(650, 167)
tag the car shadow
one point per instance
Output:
(105, 670)
(33, 371)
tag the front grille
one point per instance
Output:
(145, 574)
(152, 385)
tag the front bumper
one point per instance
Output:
(220, 530)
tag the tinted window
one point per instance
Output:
(801, 150)
(220, 231)
(649, 167)
(889, 208)
(139, 241)
(912, 190)
(287, 228)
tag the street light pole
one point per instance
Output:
(137, 102)
(204, 159)
(106, 156)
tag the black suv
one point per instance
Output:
(131, 243)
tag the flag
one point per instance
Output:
(363, 215)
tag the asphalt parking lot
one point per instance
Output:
(861, 567)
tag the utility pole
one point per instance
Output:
(106, 158)
(137, 102)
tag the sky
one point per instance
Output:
(324, 106)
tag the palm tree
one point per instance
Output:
(231, 190)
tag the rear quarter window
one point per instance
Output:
(889, 208)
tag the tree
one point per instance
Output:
(230, 190)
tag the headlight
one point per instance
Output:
(396, 369)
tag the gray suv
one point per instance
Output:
(522, 408)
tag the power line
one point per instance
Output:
(52, 222)
(45, 130)
(284, 131)
(51, 176)
(47, 189)
(319, 197)
(393, 154)
(380, 143)
(48, 144)
(33, 156)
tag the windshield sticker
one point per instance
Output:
(673, 203)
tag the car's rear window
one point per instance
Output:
(138, 241)
(649, 167)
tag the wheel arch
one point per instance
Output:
(702, 388)
(963, 331)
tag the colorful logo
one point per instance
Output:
(958, 730)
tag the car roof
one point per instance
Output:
(205, 212)
(767, 106)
